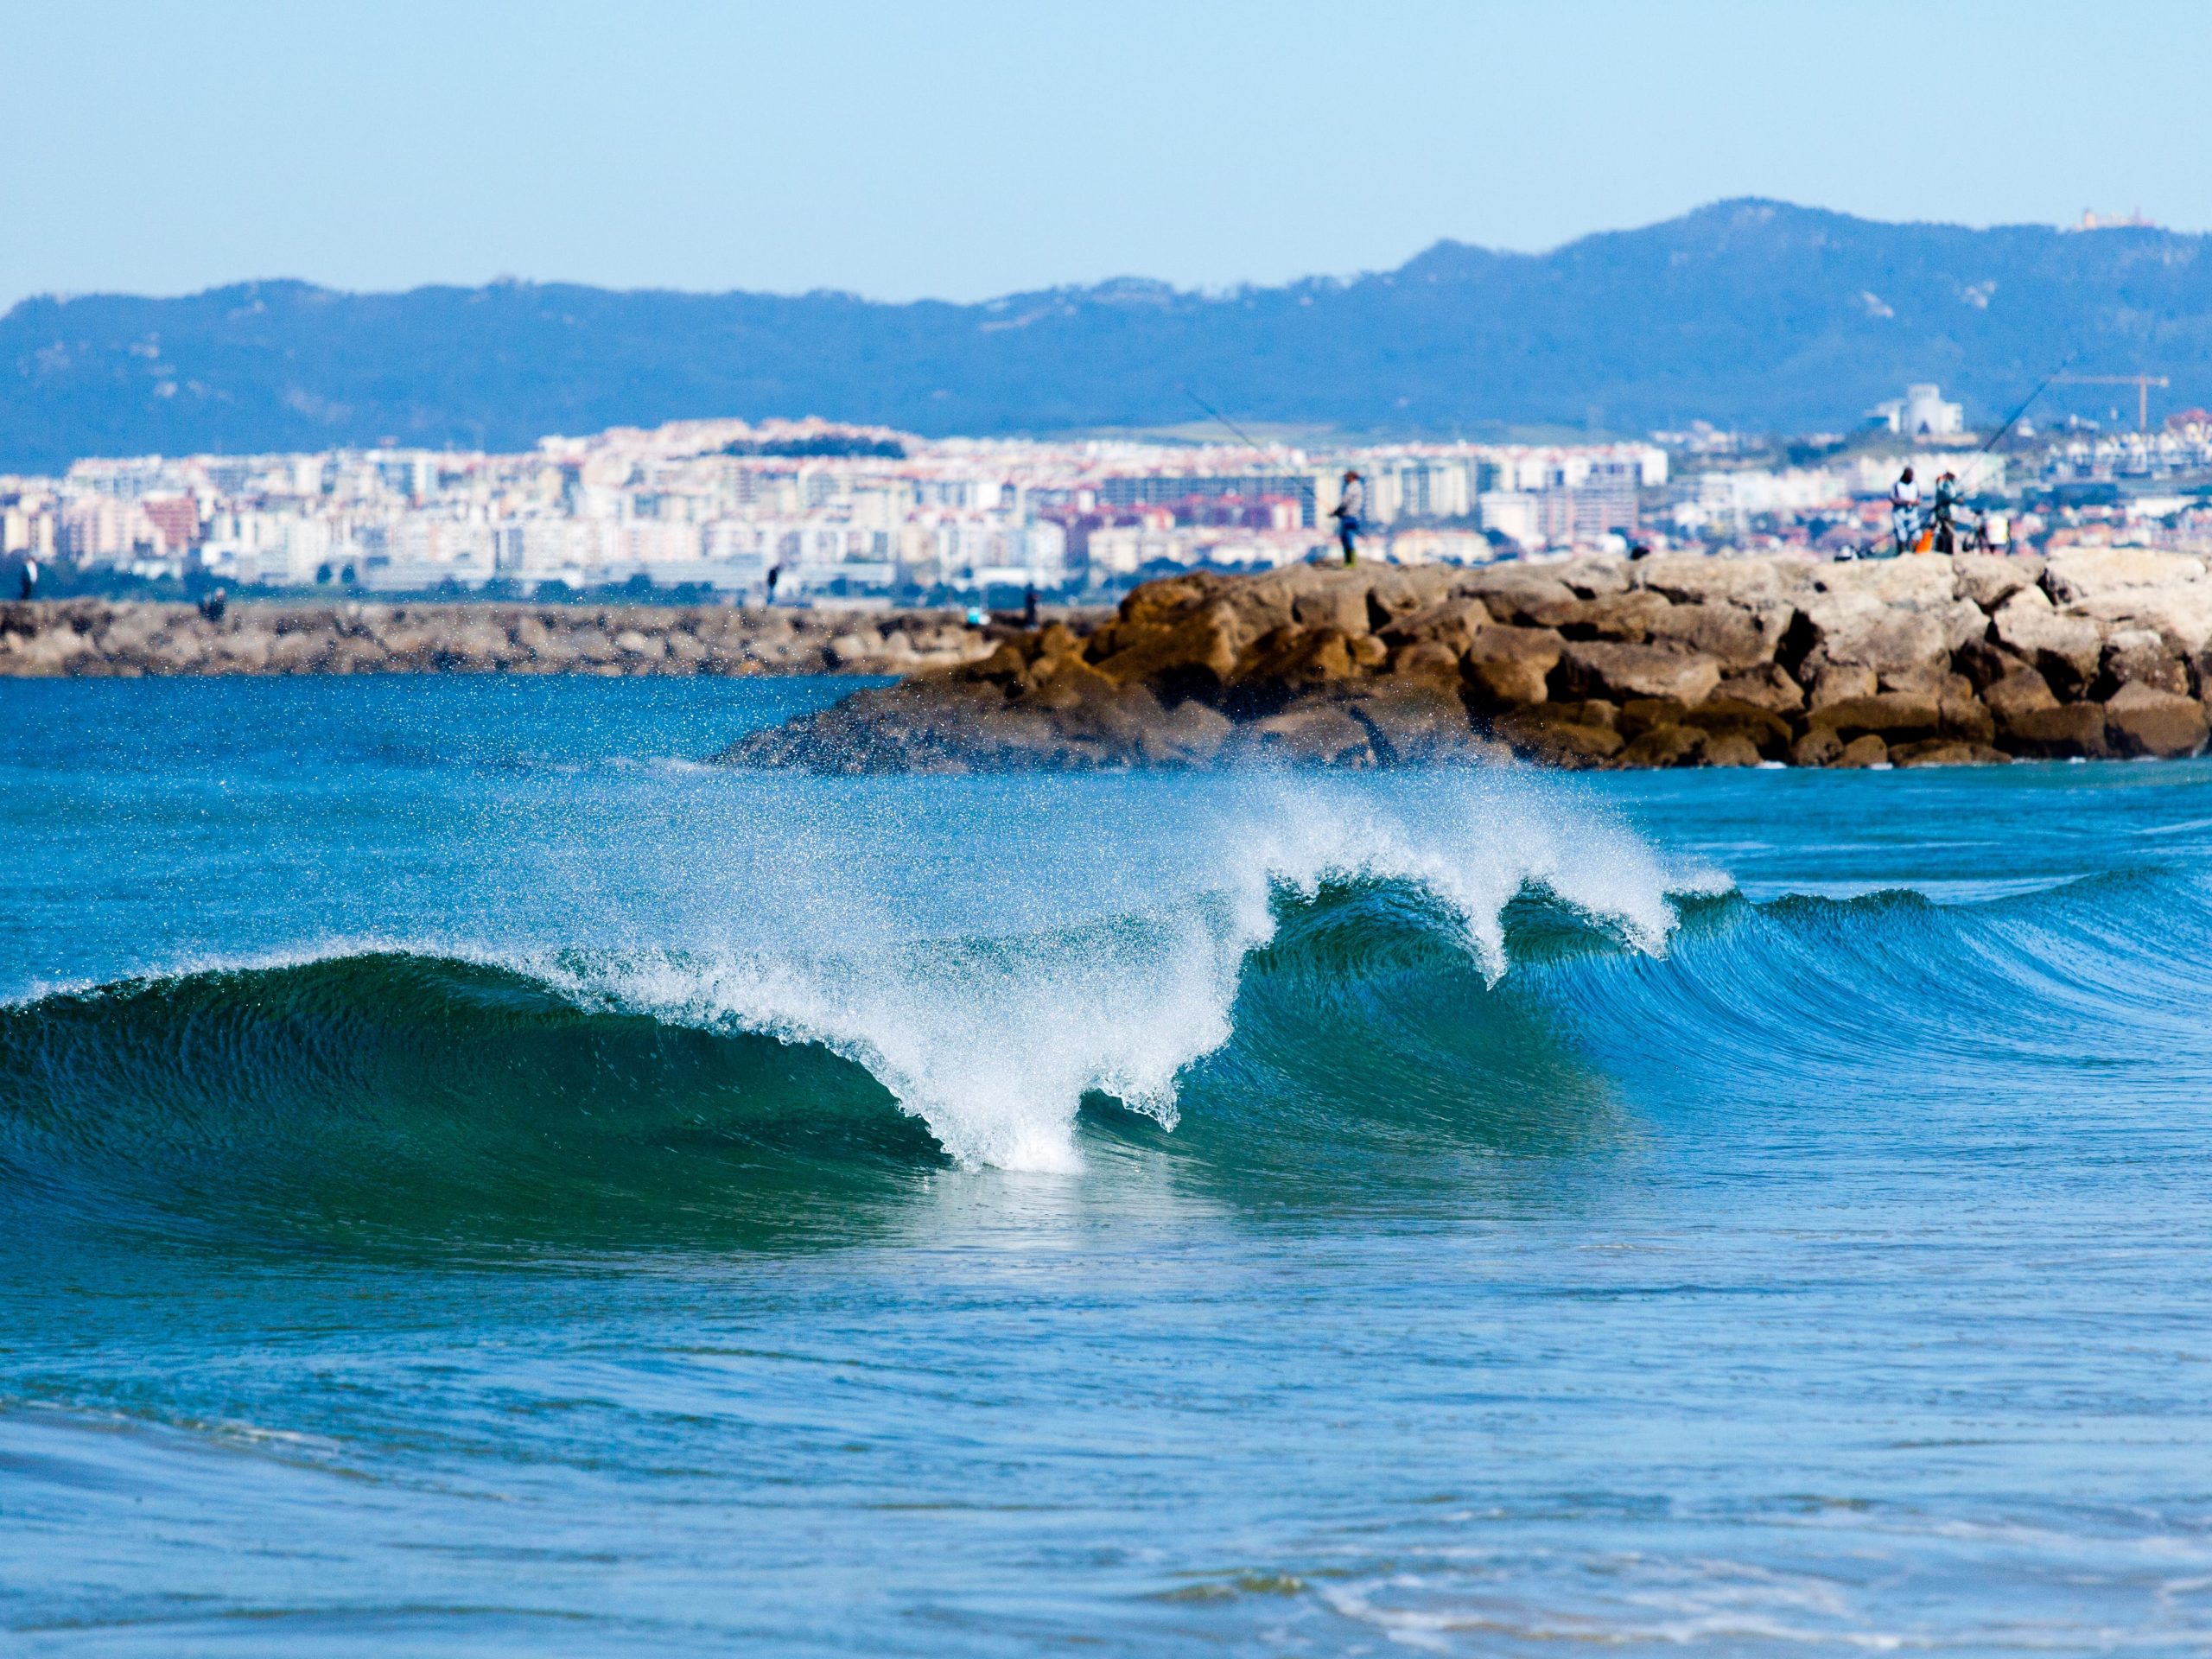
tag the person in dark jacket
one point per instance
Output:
(1351, 504)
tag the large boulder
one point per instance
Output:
(1309, 734)
(1767, 733)
(1340, 604)
(1947, 752)
(1541, 735)
(1592, 574)
(2076, 575)
(2142, 719)
(1838, 682)
(1857, 629)
(1990, 579)
(1512, 665)
(2023, 692)
(2139, 657)
(1665, 745)
(1195, 651)
(1519, 595)
(1618, 672)
(1689, 577)
(1295, 657)
(1739, 638)
(1769, 687)
(2071, 731)
(1394, 591)
(1414, 724)
(1631, 617)
(2065, 650)
(1896, 716)
(1452, 623)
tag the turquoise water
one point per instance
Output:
(473, 1180)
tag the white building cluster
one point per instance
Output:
(720, 505)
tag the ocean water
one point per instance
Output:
(475, 1180)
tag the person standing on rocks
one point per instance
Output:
(30, 579)
(1904, 509)
(1947, 502)
(1351, 504)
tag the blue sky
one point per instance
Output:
(966, 150)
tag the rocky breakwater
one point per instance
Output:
(90, 638)
(1673, 661)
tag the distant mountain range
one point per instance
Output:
(1748, 313)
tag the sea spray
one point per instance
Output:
(993, 995)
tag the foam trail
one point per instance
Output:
(1030, 980)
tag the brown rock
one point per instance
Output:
(1594, 574)
(1190, 733)
(1687, 577)
(1592, 711)
(1897, 716)
(2140, 658)
(1767, 688)
(1990, 579)
(1414, 724)
(1451, 624)
(1948, 751)
(1965, 717)
(1309, 734)
(1066, 682)
(1617, 672)
(1519, 597)
(1054, 640)
(2022, 691)
(1296, 656)
(1541, 736)
(2063, 649)
(1341, 606)
(1196, 653)
(1665, 745)
(1835, 682)
(2075, 729)
(1397, 591)
(1983, 663)
(1640, 714)
(1818, 748)
(1731, 749)
(1737, 638)
(1631, 617)
(2142, 719)
(1426, 660)
(1512, 665)
(1868, 751)
(1767, 733)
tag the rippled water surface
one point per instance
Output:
(475, 1180)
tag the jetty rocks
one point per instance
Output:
(1678, 660)
(96, 637)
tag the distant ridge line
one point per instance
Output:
(1750, 312)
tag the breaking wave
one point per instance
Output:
(1340, 987)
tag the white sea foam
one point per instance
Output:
(1073, 939)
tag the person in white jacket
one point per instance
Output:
(1351, 504)
(1904, 509)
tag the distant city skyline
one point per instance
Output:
(973, 151)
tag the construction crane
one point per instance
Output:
(2142, 383)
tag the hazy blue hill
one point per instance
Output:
(1747, 313)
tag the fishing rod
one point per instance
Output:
(1242, 436)
(2013, 419)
